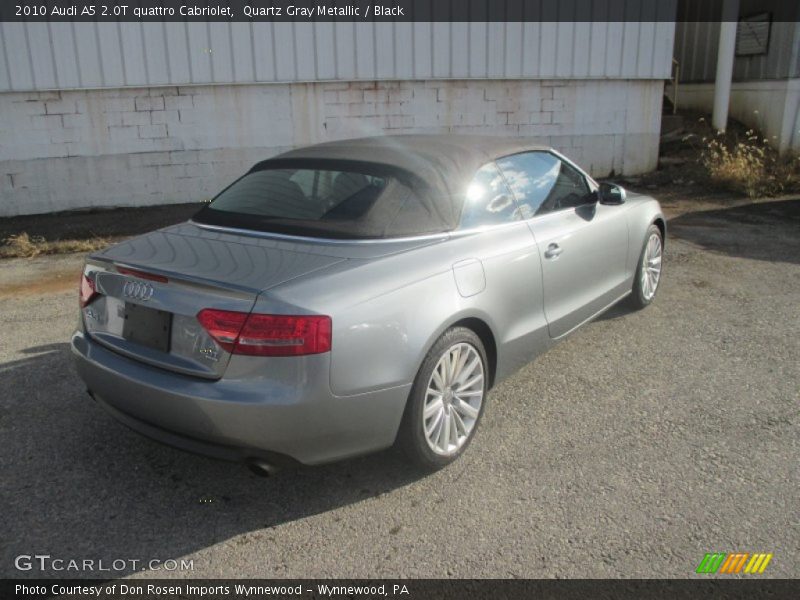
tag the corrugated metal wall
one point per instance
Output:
(696, 41)
(41, 56)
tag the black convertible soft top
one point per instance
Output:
(444, 163)
(432, 157)
(431, 173)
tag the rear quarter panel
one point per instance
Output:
(388, 312)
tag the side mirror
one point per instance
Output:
(611, 193)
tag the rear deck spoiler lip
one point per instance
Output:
(318, 240)
(105, 262)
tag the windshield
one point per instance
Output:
(317, 202)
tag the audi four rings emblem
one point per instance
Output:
(138, 290)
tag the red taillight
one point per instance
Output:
(142, 274)
(87, 290)
(222, 325)
(283, 335)
(267, 335)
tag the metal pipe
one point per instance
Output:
(725, 54)
(675, 90)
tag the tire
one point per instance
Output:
(644, 291)
(433, 451)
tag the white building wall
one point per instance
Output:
(120, 147)
(129, 113)
(697, 38)
(45, 56)
(771, 107)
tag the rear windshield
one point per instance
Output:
(324, 202)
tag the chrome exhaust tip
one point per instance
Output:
(262, 468)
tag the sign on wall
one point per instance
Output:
(752, 34)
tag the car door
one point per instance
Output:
(583, 244)
(498, 268)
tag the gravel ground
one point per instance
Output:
(631, 449)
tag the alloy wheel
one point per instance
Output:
(651, 266)
(453, 399)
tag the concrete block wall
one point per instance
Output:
(65, 150)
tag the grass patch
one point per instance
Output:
(749, 166)
(697, 160)
(24, 246)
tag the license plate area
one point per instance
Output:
(147, 326)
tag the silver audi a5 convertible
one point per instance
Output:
(342, 297)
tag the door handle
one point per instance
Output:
(552, 251)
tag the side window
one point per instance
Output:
(487, 200)
(543, 183)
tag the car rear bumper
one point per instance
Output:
(242, 418)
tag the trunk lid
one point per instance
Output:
(150, 289)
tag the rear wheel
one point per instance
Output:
(446, 401)
(648, 271)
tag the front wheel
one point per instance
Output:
(446, 401)
(648, 272)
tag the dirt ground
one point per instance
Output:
(634, 447)
(107, 223)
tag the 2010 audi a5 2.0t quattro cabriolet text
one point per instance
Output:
(342, 297)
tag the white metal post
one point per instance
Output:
(725, 55)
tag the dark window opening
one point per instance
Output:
(346, 202)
